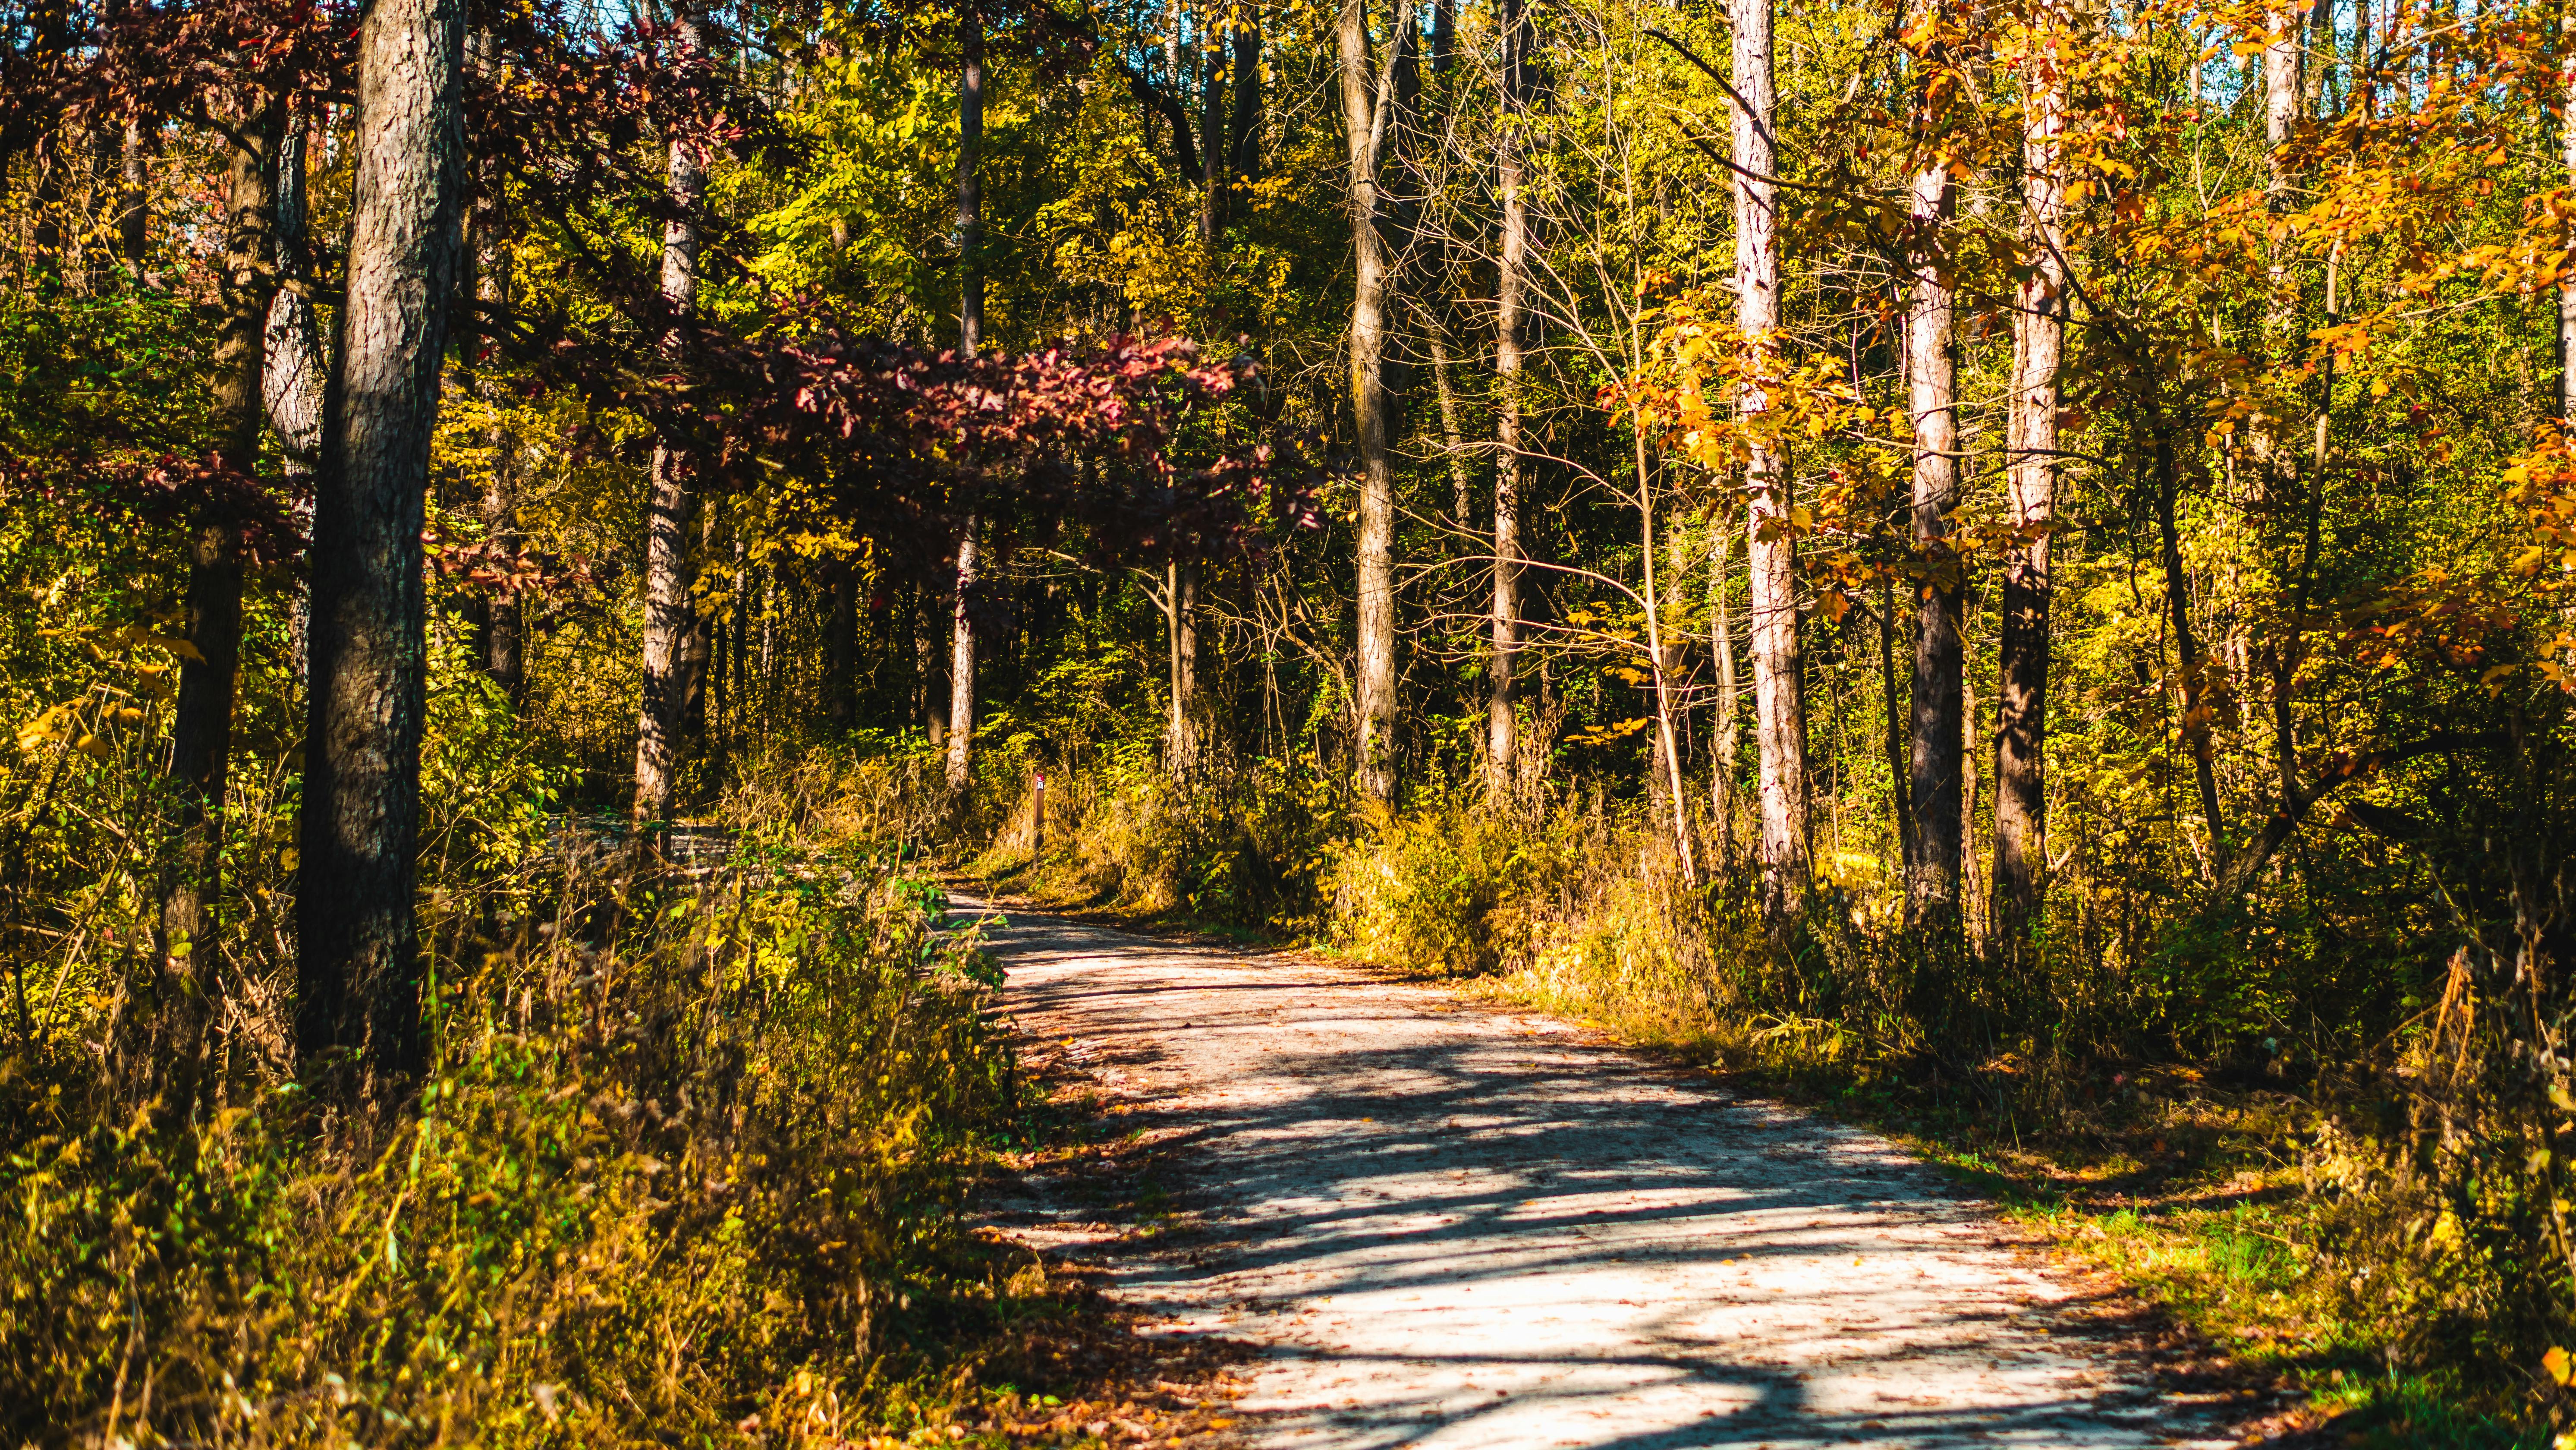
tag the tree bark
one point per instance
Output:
(1667, 740)
(1453, 437)
(296, 374)
(1180, 612)
(504, 640)
(202, 719)
(669, 619)
(2567, 162)
(1368, 119)
(1246, 124)
(1721, 643)
(1932, 855)
(2039, 334)
(970, 186)
(1779, 698)
(970, 337)
(1503, 622)
(840, 649)
(961, 669)
(133, 218)
(358, 942)
(1212, 140)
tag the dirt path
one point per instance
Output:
(1454, 1227)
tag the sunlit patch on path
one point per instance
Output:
(1458, 1228)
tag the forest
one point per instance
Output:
(2003, 567)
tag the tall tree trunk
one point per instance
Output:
(202, 721)
(1213, 158)
(2567, 161)
(2283, 49)
(1503, 621)
(1779, 699)
(358, 943)
(1453, 436)
(840, 649)
(1667, 740)
(669, 619)
(1367, 116)
(1180, 613)
(970, 187)
(2039, 333)
(1721, 643)
(930, 698)
(1246, 124)
(296, 374)
(1932, 855)
(970, 339)
(133, 217)
(961, 669)
(504, 618)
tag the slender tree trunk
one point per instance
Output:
(1965, 847)
(1246, 125)
(840, 649)
(133, 218)
(358, 943)
(504, 620)
(202, 721)
(970, 188)
(1180, 613)
(1453, 438)
(2039, 331)
(1502, 726)
(1667, 740)
(970, 340)
(1932, 855)
(1367, 107)
(2283, 50)
(669, 620)
(1779, 698)
(1894, 696)
(2567, 162)
(1213, 161)
(296, 374)
(961, 669)
(1721, 643)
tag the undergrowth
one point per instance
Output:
(2262, 1204)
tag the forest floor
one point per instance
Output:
(1444, 1224)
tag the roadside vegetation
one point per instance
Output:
(2004, 567)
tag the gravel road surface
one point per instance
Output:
(1456, 1228)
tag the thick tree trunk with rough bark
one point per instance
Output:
(1367, 116)
(184, 982)
(1503, 617)
(669, 619)
(358, 989)
(1932, 852)
(2039, 334)
(1779, 698)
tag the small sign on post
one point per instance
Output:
(1037, 818)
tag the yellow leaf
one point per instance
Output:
(2559, 1367)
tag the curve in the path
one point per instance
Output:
(1453, 1228)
